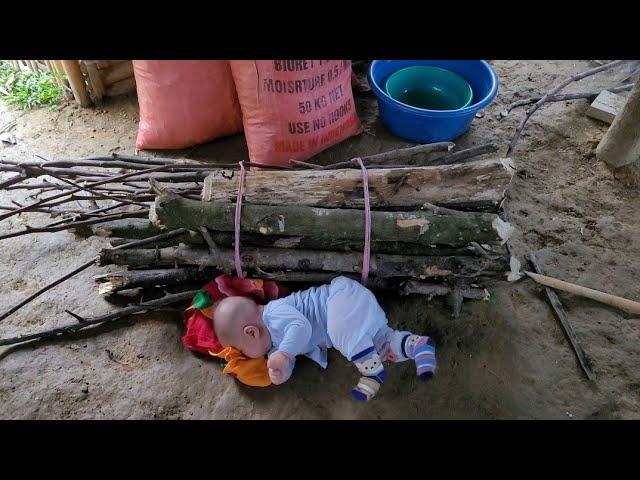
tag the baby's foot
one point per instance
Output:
(373, 374)
(422, 351)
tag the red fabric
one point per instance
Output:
(200, 335)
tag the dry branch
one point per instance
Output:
(551, 93)
(85, 323)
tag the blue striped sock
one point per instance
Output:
(423, 352)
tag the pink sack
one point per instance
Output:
(185, 102)
(294, 109)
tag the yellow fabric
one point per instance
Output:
(250, 371)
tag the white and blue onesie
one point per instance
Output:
(346, 316)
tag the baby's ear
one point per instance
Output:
(252, 331)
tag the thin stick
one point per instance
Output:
(92, 191)
(92, 214)
(551, 93)
(84, 266)
(624, 304)
(213, 246)
(44, 201)
(15, 308)
(466, 154)
(84, 323)
(57, 228)
(566, 325)
(305, 164)
(394, 154)
(564, 98)
(13, 180)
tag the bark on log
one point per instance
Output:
(433, 227)
(257, 260)
(474, 185)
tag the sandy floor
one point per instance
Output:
(504, 359)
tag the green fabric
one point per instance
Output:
(201, 300)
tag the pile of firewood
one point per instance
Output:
(435, 227)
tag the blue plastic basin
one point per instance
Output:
(427, 126)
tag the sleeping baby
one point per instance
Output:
(343, 315)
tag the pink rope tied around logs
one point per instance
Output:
(237, 260)
(367, 221)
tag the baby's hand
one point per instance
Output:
(279, 367)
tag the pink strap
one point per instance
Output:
(367, 221)
(237, 260)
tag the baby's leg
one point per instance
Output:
(369, 364)
(399, 346)
(353, 317)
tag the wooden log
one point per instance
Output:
(435, 226)
(620, 146)
(474, 185)
(257, 260)
(120, 88)
(136, 228)
(95, 81)
(117, 72)
(76, 82)
(226, 239)
(111, 283)
(114, 282)
(106, 64)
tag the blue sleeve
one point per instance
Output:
(297, 330)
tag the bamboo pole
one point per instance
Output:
(58, 73)
(76, 81)
(628, 306)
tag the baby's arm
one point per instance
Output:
(294, 342)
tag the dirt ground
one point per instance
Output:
(505, 359)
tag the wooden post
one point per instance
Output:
(620, 146)
(76, 81)
(121, 87)
(117, 72)
(95, 80)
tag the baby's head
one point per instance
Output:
(238, 323)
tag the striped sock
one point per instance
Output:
(373, 374)
(423, 352)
